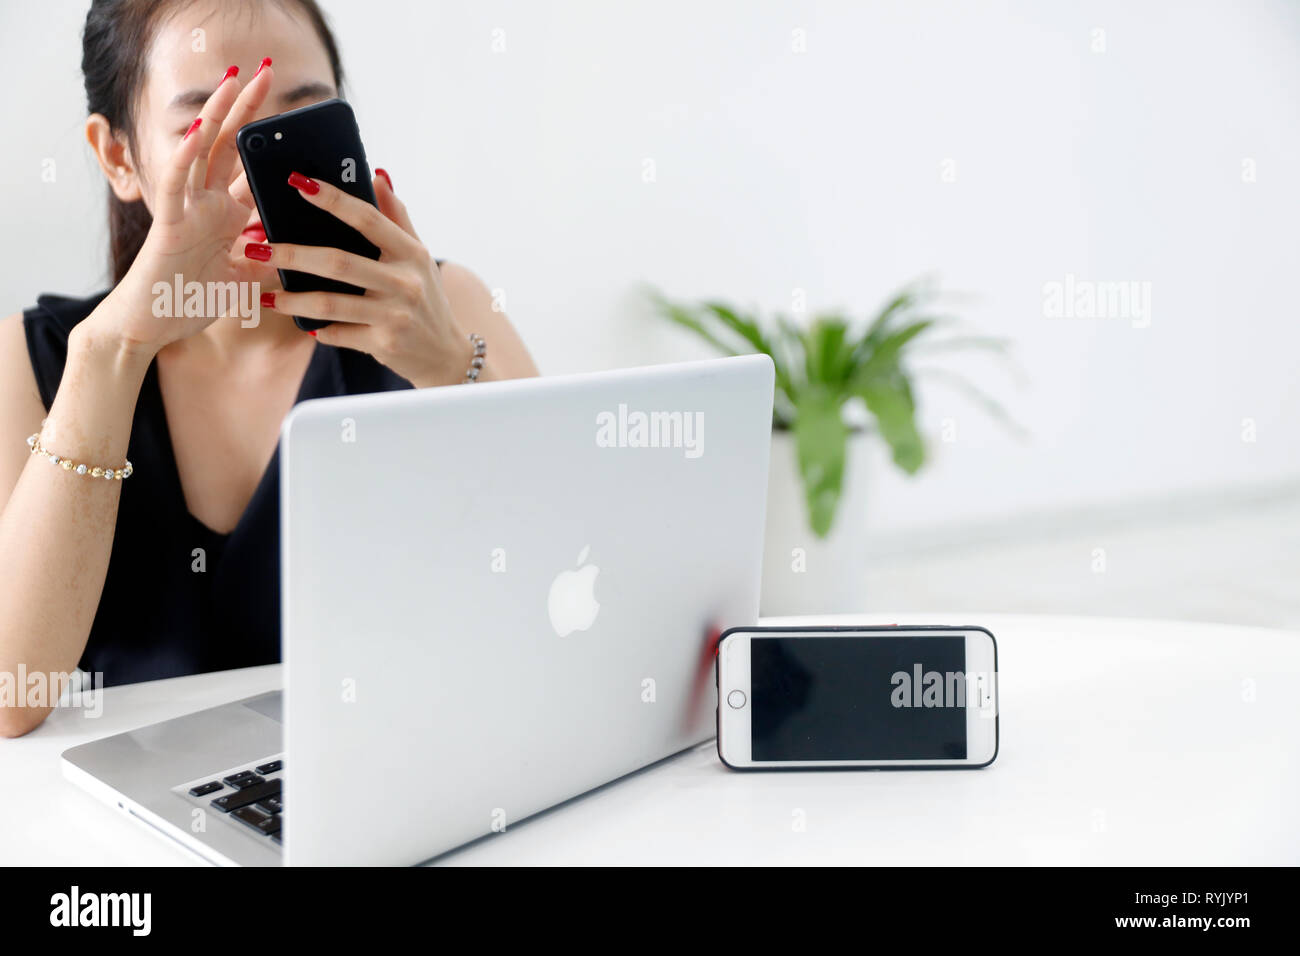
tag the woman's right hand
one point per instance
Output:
(197, 217)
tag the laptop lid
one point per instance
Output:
(499, 596)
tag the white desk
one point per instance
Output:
(1123, 742)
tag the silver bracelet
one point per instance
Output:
(480, 354)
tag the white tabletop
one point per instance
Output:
(1122, 742)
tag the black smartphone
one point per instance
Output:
(323, 142)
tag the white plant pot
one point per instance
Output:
(802, 573)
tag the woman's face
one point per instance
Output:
(190, 52)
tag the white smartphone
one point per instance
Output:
(874, 697)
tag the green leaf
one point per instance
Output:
(998, 348)
(699, 320)
(888, 352)
(910, 297)
(890, 402)
(821, 439)
(787, 355)
(791, 343)
(746, 328)
(901, 302)
(990, 406)
(684, 318)
(959, 343)
(829, 360)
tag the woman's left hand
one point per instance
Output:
(404, 319)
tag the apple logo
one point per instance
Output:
(572, 603)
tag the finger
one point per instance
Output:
(359, 337)
(240, 191)
(325, 306)
(175, 177)
(213, 114)
(390, 205)
(225, 152)
(358, 214)
(326, 262)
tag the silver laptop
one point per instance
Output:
(496, 597)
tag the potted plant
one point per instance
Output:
(839, 384)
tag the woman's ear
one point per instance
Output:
(114, 157)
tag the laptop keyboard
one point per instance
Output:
(252, 797)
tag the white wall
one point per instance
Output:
(822, 171)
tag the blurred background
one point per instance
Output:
(802, 157)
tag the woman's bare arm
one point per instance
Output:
(474, 308)
(56, 527)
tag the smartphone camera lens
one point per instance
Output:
(256, 141)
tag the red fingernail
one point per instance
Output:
(266, 61)
(258, 251)
(268, 300)
(311, 332)
(388, 179)
(230, 71)
(193, 127)
(299, 181)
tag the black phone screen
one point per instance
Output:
(858, 698)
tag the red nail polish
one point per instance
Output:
(231, 71)
(266, 61)
(311, 332)
(388, 179)
(193, 127)
(258, 251)
(299, 181)
(268, 300)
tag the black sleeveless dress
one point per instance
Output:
(169, 608)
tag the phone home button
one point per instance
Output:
(736, 699)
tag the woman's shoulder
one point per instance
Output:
(482, 310)
(45, 328)
(59, 314)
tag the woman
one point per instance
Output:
(171, 567)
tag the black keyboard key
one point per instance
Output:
(203, 789)
(252, 780)
(247, 797)
(270, 805)
(234, 778)
(273, 767)
(263, 823)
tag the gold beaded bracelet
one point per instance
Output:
(80, 468)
